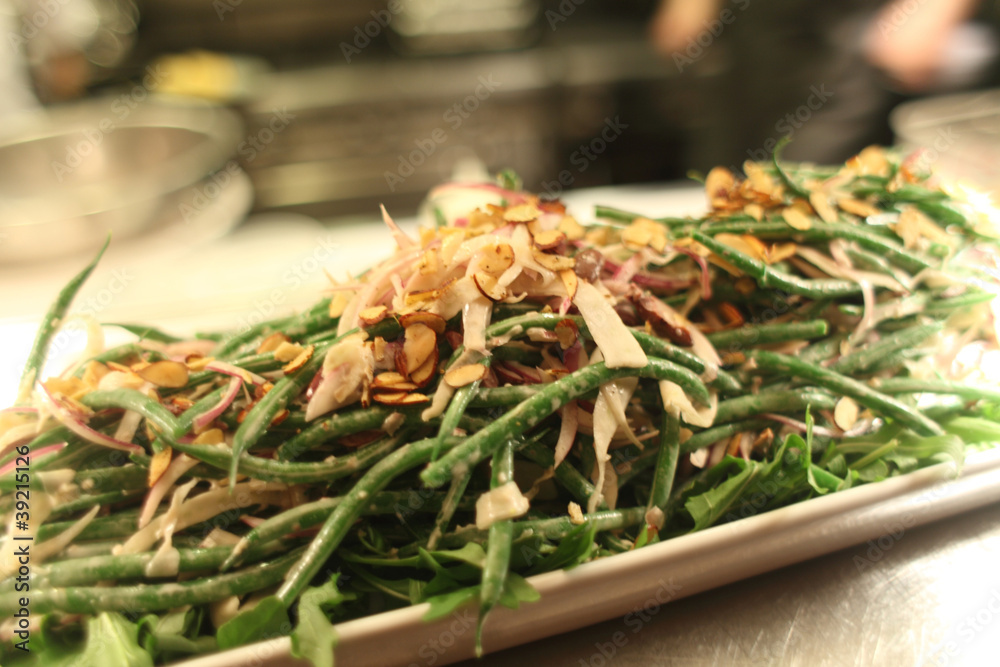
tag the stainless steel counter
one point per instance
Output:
(930, 596)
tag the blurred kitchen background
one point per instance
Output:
(238, 149)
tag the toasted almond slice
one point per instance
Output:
(821, 204)
(172, 374)
(432, 320)
(755, 211)
(419, 343)
(196, 362)
(423, 375)
(845, 413)
(745, 286)
(718, 183)
(299, 361)
(744, 244)
(760, 180)
(159, 464)
(378, 348)
(287, 351)
(570, 281)
(399, 386)
(212, 436)
(549, 239)
(390, 397)
(496, 258)
(521, 213)
(373, 315)
(568, 333)
(428, 263)
(488, 286)
(573, 230)
(463, 375)
(338, 304)
(414, 399)
(796, 219)
(271, 343)
(857, 207)
(780, 252)
(553, 262)
(421, 296)
(387, 379)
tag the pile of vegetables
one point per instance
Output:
(511, 393)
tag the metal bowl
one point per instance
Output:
(70, 176)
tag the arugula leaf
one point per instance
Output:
(313, 637)
(708, 507)
(444, 604)
(268, 618)
(174, 635)
(110, 640)
(517, 589)
(573, 549)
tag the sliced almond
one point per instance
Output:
(287, 351)
(857, 207)
(821, 204)
(718, 184)
(568, 333)
(421, 296)
(300, 360)
(432, 320)
(389, 397)
(392, 380)
(780, 252)
(755, 211)
(373, 315)
(488, 286)
(553, 262)
(796, 219)
(549, 239)
(159, 464)
(338, 304)
(760, 180)
(425, 373)
(419, 343)
(521, 213)
(570, 281)
(271, 343)
(428, 263)
(400, 398)
(573, 230)
(845, 413)
(463, 375)
(406, 385)
(172, 374)
(496, 258)
(212, 436)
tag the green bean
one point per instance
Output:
(864, 358)
(498, 546)
(120, 354)
(153, 597)
(146, 332)
(719, 432)
(914, 385)
(772, 401)
(339, 522)
(944, 307)
(456, 408)
(619, 215)
(260, 416)
(763, 334)
(93, 569)
(499, 397)
(793, 187)
(565, 474)
(551, 529)
(337, 425)
(237, 342)
(769, 277)
(448, 507)
(50, 324)
(864, 235)
(87, 501)
(863, 394)
(666, 461)
(823, 349)
(548, 400)
(874, 262)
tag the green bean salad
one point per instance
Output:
(513, 392)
